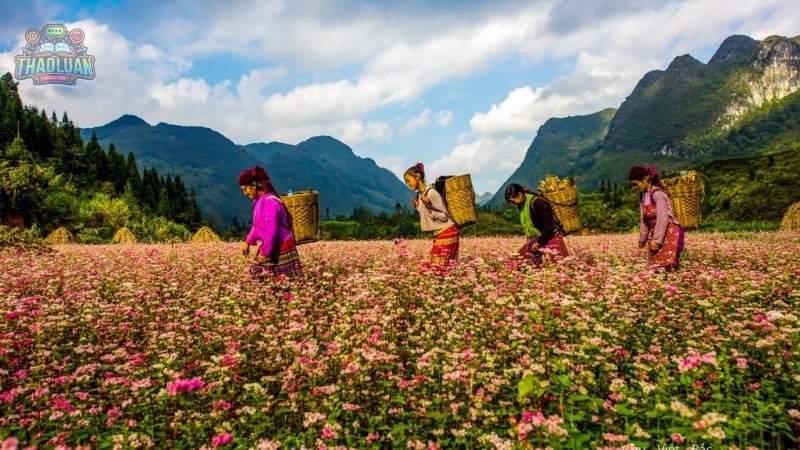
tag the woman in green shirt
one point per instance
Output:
(544, 231)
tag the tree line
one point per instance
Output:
(50, 178)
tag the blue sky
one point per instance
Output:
(462, 86)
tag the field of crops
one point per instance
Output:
(177, 347)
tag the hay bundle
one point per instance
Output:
(791, 220)
(124, 236)
(60, 235)
(563, 197)
(205, 235)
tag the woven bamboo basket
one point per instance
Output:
(460, 199)
(685, 195)
(303, 208)
(565, 207)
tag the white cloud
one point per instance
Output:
(611, 56)
(356, 132)
(343, 65)
(395, 163)
(486, 159)
(444, 118)
(418, 122)
(426, 118)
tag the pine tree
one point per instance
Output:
(193, 216)
(97, 162)
(129, 196)
(164, 207)
(132, 174)
(10, 110)
(181, 200)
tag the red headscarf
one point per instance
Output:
(253, 175)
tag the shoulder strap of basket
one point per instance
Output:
(653, 201)
(556, 220)
(446, 213)
(288, 213)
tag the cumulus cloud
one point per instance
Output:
(489, 160)
(395, 163)
(318, 68)
(427, 118)
(611, 55)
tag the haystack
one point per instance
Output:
(60, 235)
(124, 236)
(205, 234)
(791, 220)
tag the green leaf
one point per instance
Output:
(526, 386)
(564, 380)
(624, 410)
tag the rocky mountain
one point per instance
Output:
(743, 102)
(211, 163)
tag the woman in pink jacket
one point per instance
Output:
(276, 252)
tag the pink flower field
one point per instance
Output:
(177, 347)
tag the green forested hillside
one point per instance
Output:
(752, 188)
(562, 146)
(50, 178)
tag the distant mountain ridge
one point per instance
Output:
(743, 102)
(344, 180)
(211, 163)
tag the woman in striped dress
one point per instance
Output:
(271, 233)
(433, 216)
(659, 229)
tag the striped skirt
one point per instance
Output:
(445, 246)
(285, 262)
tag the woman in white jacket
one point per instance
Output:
(433, 216)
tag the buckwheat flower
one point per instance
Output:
(265, 444)
(312, 417)
(10, 444)
(678, 438)
(681, 409)
(328, 433)
(221, 439)
(794, 413)
(611, 437)
(741, 363)
(184, 385)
